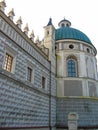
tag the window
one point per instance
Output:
(43, 82)
(47, 32)
(29, 74)
(8, 62)
(10, 59)
(67, 25)
(63, 25)
(30, 69)
(71, 46)
(88, 50)
(71, 67)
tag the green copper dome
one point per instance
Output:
(66, 32)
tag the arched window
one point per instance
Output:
(71, 67)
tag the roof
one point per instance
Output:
(50, 22)
(64, 20)
(67, 32)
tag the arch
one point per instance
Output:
(71, 66)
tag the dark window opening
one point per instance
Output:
(88, 50)
(71, 46)
(47, 32)
(63, 25)
(29, 74)
(67, 25)
(43, 82)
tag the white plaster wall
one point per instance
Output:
(59, 64)
(80, 52)
(82, 66)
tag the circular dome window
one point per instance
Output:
(88, 50)
(71, 46)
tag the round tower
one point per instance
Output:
(77, 87)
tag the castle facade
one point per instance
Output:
(50, 84)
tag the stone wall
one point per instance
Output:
(22, 60)
(86, 109)
(23, 103)
(22, 106)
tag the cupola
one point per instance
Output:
(65, 31)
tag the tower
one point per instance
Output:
(49, 42)
(77, 87)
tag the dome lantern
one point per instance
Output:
(67, 32)
(64, 23)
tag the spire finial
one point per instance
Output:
(37, 40)
(50, 21)
(2, 5)
(32, 35)
(11, 14)
(26, 29)
(19, 22)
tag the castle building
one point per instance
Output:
(50, 84)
